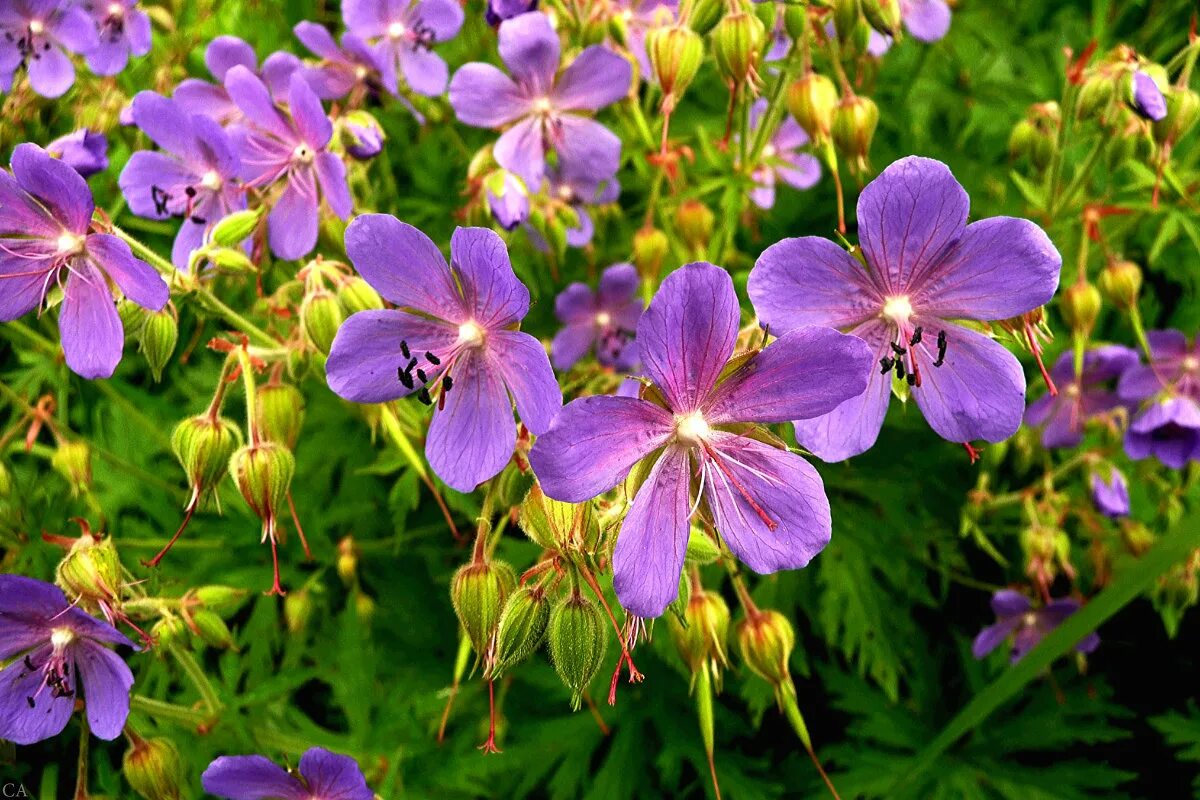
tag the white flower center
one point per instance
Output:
(603, 319)
(360, 72)
(116, 10)
(1030, 619)
(1073, 390)
(898, 309)
(36, 27)
(565, 194)
(1191, 364)
(68, 244)
(691, 429)
(542, 106)
(302, 154)
(470, 334)
(211, 180)
(769, 151)
(396, 30)
(61, 637)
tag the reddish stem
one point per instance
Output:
(187, 517)
(296, 521)
(490, 745)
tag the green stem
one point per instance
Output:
(1139, 331)
(196, 675)
(1056, 206)
(1070, 94)
(775, 108)
(159, 709)
(251, 394)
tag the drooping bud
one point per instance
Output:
(355, 295)
(5, 481)
(846, 16)
(263, 474)
(210, 629)
(737, 44)
(362, 135)
(695, 222)
(812, 99)
(1095, 95)
(765, 641)
(132, 317)
(1183, 109)
(650, 248)
(1081, 304)
(521, 628)
(578, 639)
(508, 199)
(232, 230)
(231, 259)
(795, 20)
(1121, 282)
(478, 592)
(702, 15)
(703, 640)
(167, 631)
(280, 413)
(676, 53)
(1144, 94)
(204, 444)
(320, 317)
(364, 607)
(884, 15)
(222, 600)
(158, 337)
(154, 769)
(73, 460)
(854, 124)
(298, 610)
(91, 569)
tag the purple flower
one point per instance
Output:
(45, 211)
(452, 341)
(499, 10)
(877, 43)
(507, 198)
(638, 18)
(1082, 398)
(84, 151)
(193, 178)
(223, 54)
(924, 267)
(926, 20)
(1111, 496)
(123, 30)
(353, 66)
(1168, 429)
(577, 191)
(322, 776)
(1174, 368)
(1146, 98)
(1016, 617)
(362, 135)
(782, 159)
(290, 149)
(606, 320)
(33, 36)
(767, 503)
(403, 34)
(58, 655)
(540, 104)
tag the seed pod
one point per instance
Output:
(204, 445)
(263, 474)
(676, 53)
(737, 45)
(703, 638)
(132, 317)
(812, 99)
(1121, 282)
(297, 610)
(695, 222)
(91, 569)
(795, 20)
(232, 230)
(320, 317)
(578, 640)
(280, 413)
(73, 460)
(1080, 307)
(854, 127)
(650, 248)
(521, 628)
(766, 640)
(158, 337)
(1095, 95)
(355, 295)
(884, 15)
(167, 631)
(364, 607)
(211, 629)
(222, 600)
(154, 769)
(478, 592)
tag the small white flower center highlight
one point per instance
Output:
(1073, 390)
(116, 10)
(1191, 364)
(691, 429)
(542, 106)
(565, 194)
(68, 244)
(898, 309)
(769, 151)
(360, 72)
(396, 30)
(1029, 620)
(302, 154)
(470, 334)
(604, 319)
(211, 180)
(36, 27)
(61, 637)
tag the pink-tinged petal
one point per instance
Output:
(520, 150)
(852, 427)
(251, 96)
(403, 265)
(687, 334)
(585, 147)
(926, 20)
(811, 281)
(652, 542)
(314, 127)
(473, 436)
(167, 125)
(521, 360)
(763, 193)
(424, 70)
(277, 71)
(251, 778)
(442, 18)
(52, 73)
(596, 78)
(136, 279)
(594, 442)
(978, 393)
(292, 223)
(317, 39)
(20, 214)
(576, 303)
(226, 52)
(55, 185)
(333, 777)
(569, 345)
(529, 48)
(493, 294)
(92, 336)
(1000, 268)
(619, 284)
(790, 136)
(908, 217)
(803, 170)
(749, 483)
(993, 636)
(18, 722)
(365, 359)
(22, 279)
(806, 373)
(331, 173)
(106, 683)
(485, 97)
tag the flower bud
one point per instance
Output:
(737, 45)
(478, 592)
(1144, 92)
(703, 15)
(204, 445)
(854, 124)
(6, 483)
(883, 15)
(297, 610)
(508, 200)
(703, 639)
(765, 641)
(1121, 282)
(521, 628)
(812, 99)
(701, 549)
(280, 413)
(362, 135)
(1080, 307)
(355, 295)
(167, 631)
(676, 53)
(222, 600)
(364, 607)
(320, 316)
(695, 222)
(263, 474)
(1183, 109)
(650, 248)
(132, 317)
(154, 769)
(211, 629)
(158, 337)
(231, 259)
(232, 230)
(846, 15)
(91, 569)
(578, 639)
(73, 460)
(1095, 95)
(482, 163)
(795, 20)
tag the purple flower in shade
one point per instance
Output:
(1146, 98)
(290, 149)
(782, 159)
(499, 10)
(223, 54)
(193, 178)
(1016, 617)
(84, 151)
(1168, 429)
(578, 190)
(45, 211)
(58, 653)
(507, 199)
(1110, 495)
(123, 30)
(362, 136)
(1174, 368)
(767, 503)
(322, 776)
(541, 105)
(926, 20)
(1081, 398)
(452, 341)
(924, 267)
(403, 33)
(33, 36)
(606, 320)
(638, 18)
(353, 66)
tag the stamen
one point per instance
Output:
(742, 490)
(421, 376)
(447, 383)
(424, 397)
(404, 350)
(941, 349)
(898, 350)
(886, 365)
(432, 359)
(916, 337)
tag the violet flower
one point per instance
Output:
(1168, 429)
(925, 267)
(639, 17)
(193, 178)
(782, 159)
(123, 30)
(578, 190)
(343, 69)
(322, 776)
(403, 33)
(767, 503)
(1174, 368)
(605, 320)
(58, 654)
(1146, 99)
(1016, 617)
(507, 199)
(45, 213)
(361, 136)
(34, 35)
(84, 151)
(1080, 398)
(926, 20)
(499, 10)
(1110, 495)
(540, 104)
(223, 54)
(451, 341)
(289, 149)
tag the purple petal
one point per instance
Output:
(584, 146)
(522, 363)
(494, 296)
(763, 193)
(570, 344)
(254, 100)
(581, 234)
(106, 683)
(167, 125)
(596, 78)
(136, 279)
(926, 20)
(277, 71)
(74, 29)
(403, 265)
(147, 169)
(529, 48)
(365, 17)
(251, 778)
(1009, 603)
(292, 223)
(201, 98)
(576, 303)
(811, 281)
(331, 173)
(1110, 495)
(485, 97)
(520, 150)
(993, 636)
(619, 284)
(803, 173)
(58, 187)
(365, 358)
(92, 336)
(333, 777)
(108, 57)
(442, 18)
(473, 436)
(1148, 100)
(26, 607)
(52, 73)
(314, 127)
(1167, 344)
(18, 722)
(1140, 382)
(20, 214)
(318, 40)
(424, 70)
(22, 279)
(226, 52)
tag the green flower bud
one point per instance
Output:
(676, 53)
(158, 337)
(701, 549)
(812, 99)
(1095, 95)
(6, 482)
(702, 15)
(677, 606)
(737, 44)
(1183, 109)
(361, 135)
(263, 474)
(222, 600)
(702, 640)
(1020, 141)
(695, 222)
(766, 640)
(478, 592)
(231, 260)
(204, 445)
(555, 525)
(297, 610)
(211, 629)
(854, 124)
(320, 316)
(355, 295)
(154, 769)
(650, 248)
(1080, 307)
(578, 639)
(364, 607)
(232, 230)
(347, 560)
(73, 460)
(91, 570)
(167, 631)
(795, 19)
(280, 413)
(846, 16)
(884, 15)
(521, 628)
(1120, 283)
(132, 317)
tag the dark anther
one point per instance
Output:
(900, 371)
(424, 397)
(941, 346)
(30, 701)
(911, 378)
(404, 350)
(198, 220)
(405, 378)
(29, 664)
(916, 337)
(447, 383)
(412, 362)
(190, 191)
(421, 376)
(886, 365)
(898, 350)
(432, 359)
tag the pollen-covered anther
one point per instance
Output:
(470, 334)
(68, 244)
(691, 428)
(898, 309)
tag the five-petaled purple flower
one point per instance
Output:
(33, 36)
(194, 178)
(541, 105)
(1080, 398)
(45, 213)
(123, 30)
(223, 54)
(58, 653)
(606, 320)
(322, 776)
(85, 151)
(782, 159)
(1111, 494)
(1016, 617)
(291, 149)
(1146, 98)
(924, 267)
(403, 33)
(1174, 368)
(343, 69)
(452, 341)
(1168, 427)
(767, 503)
